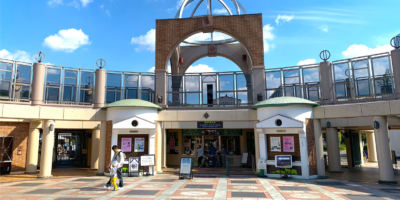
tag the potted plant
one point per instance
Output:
(125, 172)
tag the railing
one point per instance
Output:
(225, 89)
(298, 81)
(129, 85)
(15, 80)
(363, 78)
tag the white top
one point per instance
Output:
(200, 152)
(119, 158)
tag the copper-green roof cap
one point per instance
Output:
(132, 103)
(284, 101)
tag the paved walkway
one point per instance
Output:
(169, 187)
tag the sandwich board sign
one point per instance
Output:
(283, 161)
(186, 167)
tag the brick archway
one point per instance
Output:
(247, 29)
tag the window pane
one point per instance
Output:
(131, 93)
(6, 66)
(174, 84)
(113, 96)
(53, 77)
(273, 80)
(86, 80)
(70, 74)
(245, 98)
(292, 91)
(362, 87)
(226, 98)
(383, 86)
(175, 99)
(86, 96)
(69, 93)
(312, 93)
(24, 92)
(342, 90)
(24, 74)
(341, 72)
(209, 93)
(274, 93)
(148, 96)
(226, 83)
(242, 80)
(360, 73)
(193, 99)
(5, 83)
(113, 81)
(131, 81)
(52, 94)
(360, 64)
(192, 83)
(381, 66)
(148, 82)
(311, 75)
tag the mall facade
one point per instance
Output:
(53, 115)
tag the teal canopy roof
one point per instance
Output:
(284, 101)
(132, 103)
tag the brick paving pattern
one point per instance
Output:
(169, 187)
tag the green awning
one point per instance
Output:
(284, 101)
(132, 103)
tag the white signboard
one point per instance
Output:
(134, 164)
(147, 160)
(244, 157)
(261, 164)
(275, 143)
(186, 165)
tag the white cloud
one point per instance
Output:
(324, 28)
(200, 68)
(207, 36)
(18, 55)
(67, 40)
(220, 11)
(268, 36)
(307, 62)
(283, 18)
(85, 2)
(356, 50)
(154, 68)
(54, 2)
(147, 41)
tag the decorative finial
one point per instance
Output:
(395, 42)
(40, 56)
(101, 63)
(325, 55)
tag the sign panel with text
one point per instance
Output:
(283, 161)
(210, 125)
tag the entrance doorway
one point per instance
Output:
(6, 150)
(71, 148)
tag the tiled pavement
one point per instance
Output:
(169, 187)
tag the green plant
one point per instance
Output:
(124, 170)
(141, 170)
(342, 147)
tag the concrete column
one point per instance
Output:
(33, 151)
(333, 150)
(361, 148)
(259, 82)
(257, 132)
(161, 80)
(326, 83)
(38, 84)
(164, 146)
(386, 174)
(159, 148)
(46, 159)
(395, 55)
(319, 148)
(100, 88)
(102, 147)
(371, 147)
(94, 160)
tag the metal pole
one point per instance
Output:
(227, 166)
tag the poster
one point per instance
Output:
(134, 164)
(147, 160)
(283, 161)
(186, 164)
(172, 144)
(244, 157)
(139, 144)
(288, 144)
(261, 164)
(275, 144)
(126, 144)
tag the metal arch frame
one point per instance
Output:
(237, 7)
(187, 2)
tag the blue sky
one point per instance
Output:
(76, 33)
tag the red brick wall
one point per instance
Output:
(108, 144)
(248, 29)
(20, 131)
(312, 156)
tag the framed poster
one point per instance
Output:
(134, 164)
(147, 160)
(244, 157)
(283, 161)
(275, 143)
(261, 164)
(126, 144)
(186, 166)
(288, 144)
(172, 144)
(139, 145)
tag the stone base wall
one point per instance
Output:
(20, 132)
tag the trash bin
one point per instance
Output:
(5, 168)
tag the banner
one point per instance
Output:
(134, 164)
(126, 144)
(288, 144)
(275, 143)
(172, 144)
(186, 165)
(139, 145)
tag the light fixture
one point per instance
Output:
(376, 125)
(51, 127)
(259, 97)
(159, 99)
(328, 124)
(98, 127)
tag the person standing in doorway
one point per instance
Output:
(223, 153)
(200, 155)
(118, 159)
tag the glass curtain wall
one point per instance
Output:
(86, 87)
(6, 71)
(52, 85)
(210, 89)
(22, 82)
